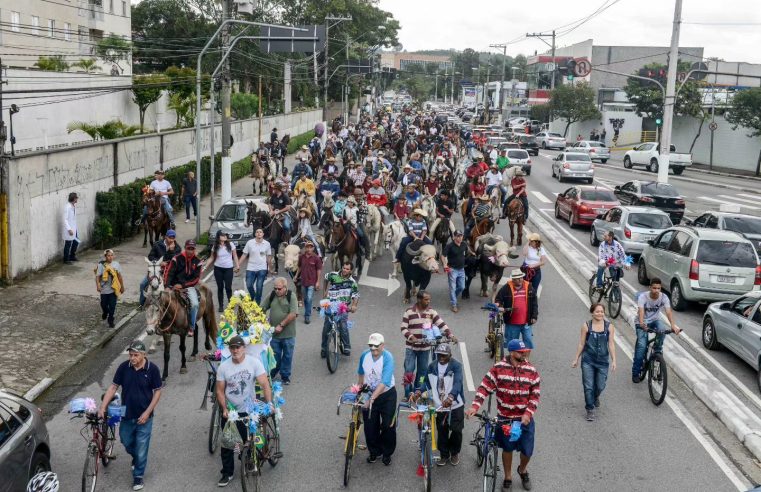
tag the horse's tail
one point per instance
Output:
(209, 315)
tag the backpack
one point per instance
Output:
(288, 295)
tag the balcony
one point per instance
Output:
(92, 10)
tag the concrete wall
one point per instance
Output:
(629, 131)
(733, 149)
(39, 182)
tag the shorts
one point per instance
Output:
(524, 444)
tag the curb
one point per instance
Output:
(715, 395)
(39, 388)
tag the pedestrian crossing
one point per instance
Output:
(730, 201)
(540, 196)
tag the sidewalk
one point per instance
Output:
(51, 320)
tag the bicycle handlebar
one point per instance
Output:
(407, 408)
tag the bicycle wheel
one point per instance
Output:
(272, 440)
(215, 424)
(499, 349)
(90, 470)
(490, 470)
(657, 378)
(427, 461)
(594, 295)
(491, 340)
(478, 442)
(333, 351)
(250, 473)
(349, 452)
(614, 301)
(107, 442)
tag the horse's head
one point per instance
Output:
(154, 273)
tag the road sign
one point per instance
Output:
(681, 76)
(583, 67)
(294, 45)
(713, 126)
(702, 69)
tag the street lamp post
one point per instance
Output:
(11, 111)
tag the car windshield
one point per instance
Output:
(650, 221)
(726, 253)
(528, 138)
(555, 135)
(743, 225)
(659, 189)
(232, 212)
(596, 144)
(578, 157)
(517, 154)
(598, 196)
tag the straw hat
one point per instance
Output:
(307, 212)
(420, 211)
(534, 237)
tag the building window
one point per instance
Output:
(67, 31)
(35, 25)
(124, 8)
(15, 21)
(51, 28)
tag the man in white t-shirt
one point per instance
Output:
(494, 178)
(163, 188)
(649, 307)
(237, 378)
(258, 252)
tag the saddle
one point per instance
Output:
(182, 298)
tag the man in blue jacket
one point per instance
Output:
(444, 385)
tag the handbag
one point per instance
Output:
(528, 271)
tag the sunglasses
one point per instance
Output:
(189, 248)
(373, 346)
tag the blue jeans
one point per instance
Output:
(283, 349)
(515, 332)
(640, 349)
(308, 293)
(415, 362)
(255, 284)
(136, 439)
(536, 279)
(287, 222)
(194, 304)
(614, 271)
(190, 201)
(167, 208)
(456, 278)
(143, 285)
(343, 332)
(593, 379)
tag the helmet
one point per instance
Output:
(43, 482)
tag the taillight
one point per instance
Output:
(584, 209)
(695, 270)
(679, 201)
(591, 151)
(591, 166)
(647, 199)
(758, 275)
(566, 165)
(627, 233)
(529, 161)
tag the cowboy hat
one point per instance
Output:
(515, 274)
(439, 157)
(304, 147)
(384, 170)
(534, 237)
(331, 159)
(420, 211)
(306, 211)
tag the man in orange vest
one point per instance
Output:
(517, 299)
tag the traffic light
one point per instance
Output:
(658, 122)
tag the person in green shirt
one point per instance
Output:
(502, 160)
(282, 308)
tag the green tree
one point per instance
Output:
(182, 93)
(574, 102)
(89, 65)
(146, 90)
(55, 63)
(244, 106)
(540, 112)
(107, 131)
(746, 111)
(114, 50)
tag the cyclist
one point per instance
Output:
(418, 324)
(340, 286)
(610, 254)
(237, 378)
(444, 384)
(649, 306)
(376, 369)
(516, 383)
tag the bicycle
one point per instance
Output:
(611, 290)
(495, 338)
(258, 447)
(431, 344)
(335, 345)
(487, 449)
(356, 401)
(656, 370)
(210, 395)
(426, 418)
(101, 441)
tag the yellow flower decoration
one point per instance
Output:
(243, 313)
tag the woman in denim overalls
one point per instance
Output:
(596, 351)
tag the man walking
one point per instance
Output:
(310, 270)
(444, 383)
(140, 381)
(376, 370)
(189, 193)
(517, 299)
(516, 383)
(70, 236)
(453, 260)
(283, 309)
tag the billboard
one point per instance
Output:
(469, 96)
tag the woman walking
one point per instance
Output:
(534, 258)
(596, 351)
(226, 264)
(109, 284)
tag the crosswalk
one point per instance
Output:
(734, 201)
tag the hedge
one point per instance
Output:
(296, 142)
(120, 209)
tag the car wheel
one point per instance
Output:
(553, 171)
(627, 162)
(40, 463)
(593, 237)
(603, 160)
(544, 145)
(642, 272)
(557, 211)
(590, 180)
(678, 170)
(560, 176)
(678, 302)
(571, 219)
(709, 335)
(653, 167)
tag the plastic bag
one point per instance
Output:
(230, 436)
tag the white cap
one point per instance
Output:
(376, 339)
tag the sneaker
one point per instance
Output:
(507, 484)
(590, 415)
(286, 382)
(442, 461)
(347, 353)
(323, 354)
(372, 459)
(224, 481)
(306, 321)
(455, 309)
(74, 259)
(636, 379)
(454, 460)
(111, 324)
(103, 316)
(386, 460)
(187, 221)
(525, 481)
(137, 484)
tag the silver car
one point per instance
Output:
(568, 165)
(548, 140)
(736, 325)
(596, 150)
(633, 227)
(24, 442)
(519, 157)
(231, 218)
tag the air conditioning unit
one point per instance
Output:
(247, 6)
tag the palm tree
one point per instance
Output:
(88, 128)
(89, 65)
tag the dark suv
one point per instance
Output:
(528, 143)
(24, 442)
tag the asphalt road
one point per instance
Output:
(632, 446)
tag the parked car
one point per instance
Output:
(231, 218)
(549, 140)
(24, 442)
(528, 142)
(582, 204)
(596, 150)
(698, 264)
(736, 325)
(512, 132)
(662, 196)
(569, 165)
(747, 225)
(648, 155)
(519, 157)
(633, 227)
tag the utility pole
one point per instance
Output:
(226, 158)
(329, 18)
(487, 110)
(259, 137)
(670, 99)
(436, 88)
(502, 80)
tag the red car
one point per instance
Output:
(582, 204)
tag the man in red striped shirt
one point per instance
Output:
(518, 184)
(516, 383)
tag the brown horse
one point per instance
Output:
(173, 320)
(345, 245)
(485, 226)
(156, 220)
(516, 216)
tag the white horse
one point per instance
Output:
(373, 227)
(152, 294)
(393, 234)
(428, 203)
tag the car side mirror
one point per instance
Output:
(725, 306)
(617, 188)
(601, 216)
(688, 222)
(212, 218)
(651, 242)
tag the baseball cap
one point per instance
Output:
(171, 233)
(137, 346)
(458, 232)
(376, 339)
(443, 349)
(190, 243)
(517, 346)
(236, 341)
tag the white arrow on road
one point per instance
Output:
(390, 284)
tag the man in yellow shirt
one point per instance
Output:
(305, 185)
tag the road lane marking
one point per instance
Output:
(741, 200)
(541, 197)
(724, 202)
(757, 198)
(466, 367)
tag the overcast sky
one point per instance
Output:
(460, 24)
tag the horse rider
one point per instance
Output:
(412, 195)
(518, 184)
(161, 250)
(479, 212)
(431, 185)
(184, 272)
(263, 154)
(441, 165)
(276, 152)
(493, 180)
(280, 205)
(303, 153)
(444, 209)
(376, 195)
(163, 188)
(327, 185)
(299, 170)
(305, 185)
(417, 230)
(305, 230)
(330, 166)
